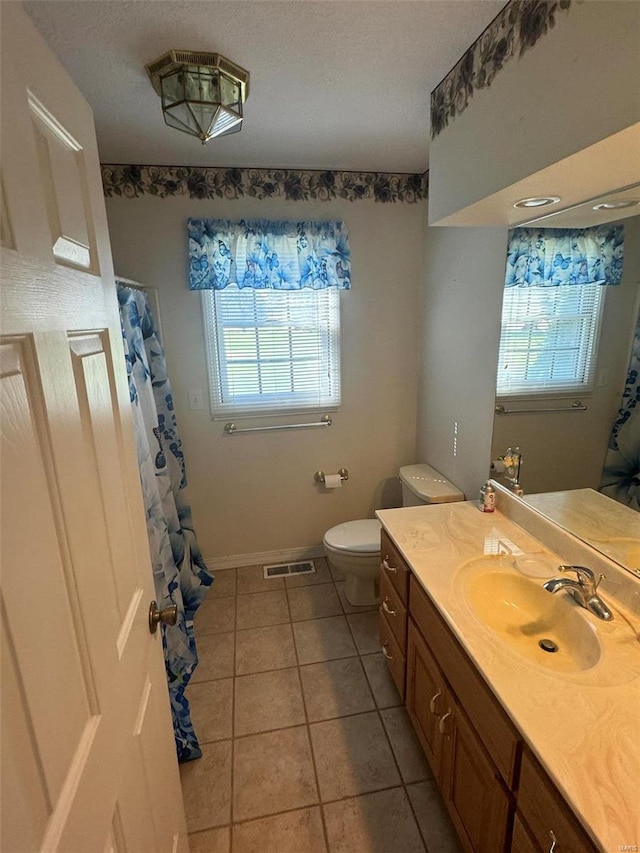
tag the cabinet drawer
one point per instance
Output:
(395, 658)
(394, 567)
(545, 812)
(393, 611)
(489, 720)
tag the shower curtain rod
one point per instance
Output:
(152, 296)
(134, 285)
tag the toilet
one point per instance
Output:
(353, 547)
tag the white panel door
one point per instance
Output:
(88, 759)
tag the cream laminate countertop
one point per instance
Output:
(609, 526)
(584, 726)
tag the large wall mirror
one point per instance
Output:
(564, 445)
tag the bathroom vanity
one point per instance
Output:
(533, 750)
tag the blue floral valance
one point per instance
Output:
(547, 257)
(265, 254)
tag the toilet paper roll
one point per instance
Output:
(332, 481)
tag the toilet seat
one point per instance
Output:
(361, 537)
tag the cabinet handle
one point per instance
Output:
(386, 607)
(441, 722)
(385, 564)
(434, 699)
(554, 841)
(385, 652)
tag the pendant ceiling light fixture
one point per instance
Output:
(202, 93)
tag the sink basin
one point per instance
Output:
(544, 628)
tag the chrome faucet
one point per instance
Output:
(584, 590)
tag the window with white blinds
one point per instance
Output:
(272, 351)
(549, 339)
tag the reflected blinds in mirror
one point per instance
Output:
(549, 338)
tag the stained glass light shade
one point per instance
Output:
(202, 93)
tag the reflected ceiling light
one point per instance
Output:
(537, 201)
(202, 93)
(616, 205)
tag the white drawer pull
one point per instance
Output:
(385, 564)
(554, 841)
(386, 607)
(442, 722)
(385, 652)
(434, 699)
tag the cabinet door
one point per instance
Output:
(394, 657)
(425, 696)
(472, 788)
(522, 842)
(546, 813)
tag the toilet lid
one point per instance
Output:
(360, 536)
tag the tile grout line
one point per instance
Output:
(319, 804)
(311, 722)
(379, 710)
(298, 667)
(308, 728)
(403, 784)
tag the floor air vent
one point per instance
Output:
(279, 570)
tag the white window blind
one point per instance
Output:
(549, 339)
(272, 351)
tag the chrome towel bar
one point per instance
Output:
(576, 406)
(232, 429)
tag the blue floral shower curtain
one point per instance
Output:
(180, 574)
(621, 474)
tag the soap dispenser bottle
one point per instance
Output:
(487, 501)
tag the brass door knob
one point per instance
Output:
(168, 615)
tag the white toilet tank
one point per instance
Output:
(422, 484)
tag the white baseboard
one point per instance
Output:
(289, 555)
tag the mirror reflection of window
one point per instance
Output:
(548, 341)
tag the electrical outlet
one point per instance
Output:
(196, 400)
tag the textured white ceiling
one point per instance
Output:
(335, 84)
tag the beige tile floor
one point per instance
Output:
(306, 746)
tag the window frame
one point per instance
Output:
(584, 389)
(223, 410)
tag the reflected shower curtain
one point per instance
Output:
(621, 474)
(180, 574)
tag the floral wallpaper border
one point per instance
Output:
(293, 184)
(511, 33)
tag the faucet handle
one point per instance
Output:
(585, 575)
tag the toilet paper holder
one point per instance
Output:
(320, 475)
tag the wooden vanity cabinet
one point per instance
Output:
(394, 568)
(394, 612)
(542, 811)
(478, 802)
(494, 729)
(394, 596)
(522, 842)
(426, 696)
(394, 657)
(498, 796)
(476, 798)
